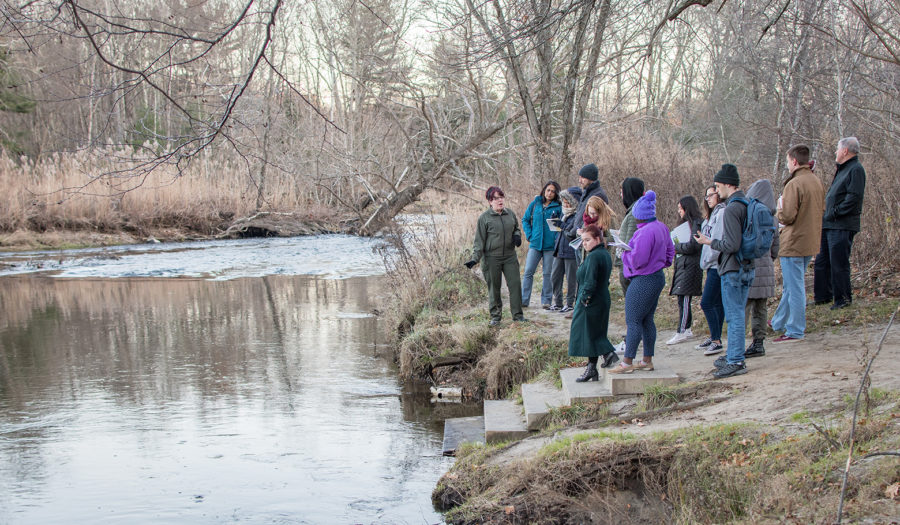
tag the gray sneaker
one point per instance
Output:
(730, 370)
(714, 349)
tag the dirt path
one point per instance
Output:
(803, 376)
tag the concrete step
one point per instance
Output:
(538, 399)
(503, 421)
(583, 392)
(461, 430)
(638, 381)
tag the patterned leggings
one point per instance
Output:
(640, 307)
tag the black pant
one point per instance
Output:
(831, 278)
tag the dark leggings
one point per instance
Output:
(640, 307)
(685, 318)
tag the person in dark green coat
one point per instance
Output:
(497, 235)
(590, 322)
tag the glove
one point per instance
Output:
(517, 240)
(470, 264)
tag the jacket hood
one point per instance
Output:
(763, 191)
(571, 196)
(632, 190)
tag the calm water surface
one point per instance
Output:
(224, 397)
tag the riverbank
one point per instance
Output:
(768, 446)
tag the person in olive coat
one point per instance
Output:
(497, 235)
(687, 281)
(590, 321)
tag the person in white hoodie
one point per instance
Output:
(711, 300)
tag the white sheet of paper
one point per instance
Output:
(682, 233)
(617, 241)
(552, 223)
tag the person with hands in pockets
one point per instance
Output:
(541, 241)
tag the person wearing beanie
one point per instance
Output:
(588, 177)
(497, 236)
(564, 267)
(651, 250)
(541, 241)
(735, 275)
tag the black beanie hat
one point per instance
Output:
(632, 190)
(728, 175)
(589, 172)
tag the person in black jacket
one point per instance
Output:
(687, 280)
(843, 211)
(587, 179)
(564, 267)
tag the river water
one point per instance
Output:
(218, 382)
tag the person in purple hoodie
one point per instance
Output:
(651, 251)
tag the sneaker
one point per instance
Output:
(755, 350)
(680, 337)
(839, 306)
(565, 309)
(785, 339)
(720, 361)
(620, 348)
(555, 308)
(714, 349)
(730, 370)
(705, 344)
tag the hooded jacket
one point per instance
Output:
(843, 203)
(688, 276)
(712, 228)
(534, 223)
(632, 190)
(729, 244)
(651, 250)
(593, 188)
(802, 203)
(763, 284)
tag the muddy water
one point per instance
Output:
(183, 400)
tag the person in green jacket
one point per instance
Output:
(497, 236)
(590, 321)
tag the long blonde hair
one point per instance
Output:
(605, 214)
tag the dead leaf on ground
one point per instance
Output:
(892, 491)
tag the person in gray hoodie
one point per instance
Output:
(711, 300)
(763, 285)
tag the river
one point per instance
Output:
(244, 381)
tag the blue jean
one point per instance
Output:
(790, 315)
(531, 261)
(735, 289)
(641, 300)
(711, 304)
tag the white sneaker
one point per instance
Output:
(620, 348)
(680, 337)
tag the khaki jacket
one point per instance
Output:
(801, 211)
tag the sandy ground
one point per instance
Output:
(808, 375)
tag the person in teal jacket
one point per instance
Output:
(541, 241)
(497, 235)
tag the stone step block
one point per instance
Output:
(537, 400)
(459, 430)
(503, 421)
(583, 392)
(638, 381)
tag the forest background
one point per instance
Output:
(184, 115)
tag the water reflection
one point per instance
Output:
(251, 400)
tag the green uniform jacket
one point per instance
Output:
(587, 336)
(494, 235)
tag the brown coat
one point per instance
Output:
(801, 211)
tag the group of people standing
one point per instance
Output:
(737, 288)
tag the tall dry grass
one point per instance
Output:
(101, 191)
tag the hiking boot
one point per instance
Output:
(714, 349)
(705, 344)
(590, 374)
(494, 322)
(755, 350)
(839, 306)
(730, 370)
(680, 337)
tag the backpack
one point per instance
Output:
(759, 230)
